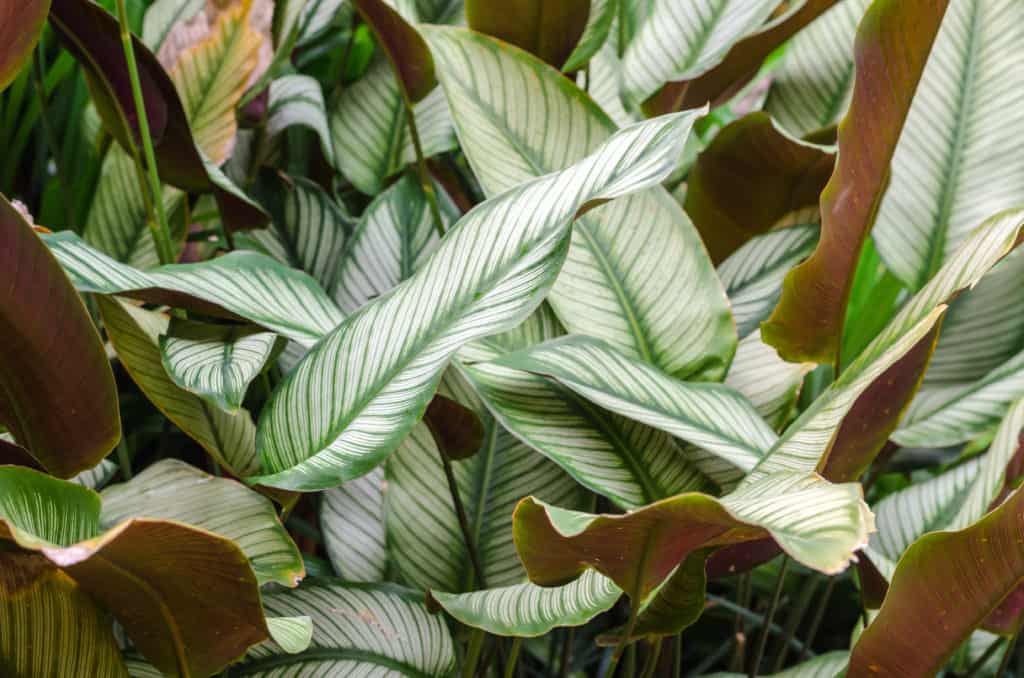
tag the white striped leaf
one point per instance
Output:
(681, 40)
(162, 15)
(595, 33)
(753, 274)
(953, 500)
(173, 490)
(605, 70)
(373, 376)
(229, 438)
(352, 523)
(371, 132)
(528, 610)
(292, 634)
(424, 537)
(770, 383)
(394, 237)
(961, 155)
(632, 261)
(827, 665)
(49, 626)
(806, 443)
(96, 477)
(711, 416)
(624, 460)
(950, 416)
(812, 86)
(216, 362)
(316, 17)
(298, 100)
(358, 630)
(244, 284)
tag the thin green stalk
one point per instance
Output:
(677, 656)
(513, 658)
(631, 661)
(819, 614)
(158, 225)
(421, 165)
(793, 620)
(51, 137)
(762, 639)
(476, 644)
(1005, 663)
(460, 512)
(743, 601)
(124, 459)
(980, 662)
(634, 609)
(567, 645)
(653, 655)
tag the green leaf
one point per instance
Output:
(373, 396)
(893, 43)
(173, 490)
(22, 24)
(606, 288)
(817, 523)
(229, 438)
(600, 20)
(292, 634)
(298, 100)
(409, 55)
(770, 384)
(49, 626)
(528, 610)
(711, 416)
(371, 133)
(216, 362)
(808, 443)
(828, 665)
(776, 173)
(753, 274)
(352, 523)
(166, 582)
(549, 30)
(953, 578)
(812, 85)
(240, 284)
(162, 15)
(53, 360)
(358, 629)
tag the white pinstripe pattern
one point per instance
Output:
(352, 522)
(298, 100)
(770, 384)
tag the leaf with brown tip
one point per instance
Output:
(408, 53)
(893, 43)
(60, 399)
(21, 24)
(549, 30)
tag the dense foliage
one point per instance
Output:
(511, 338)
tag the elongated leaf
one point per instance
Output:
(162, 15)
(49, 627)
(23, 24)
(828, 665)
(753, 274)
(373, 396)
(298, 100)
(409, 55)
(770, 384)
(352, 522)
(528, 610)
(167, 583)
(173, 490)
(819, 524)
(626, 461)
(777, 173)
(812, 86)
(550, 30)
(606, 288)
(215, 362)
(955, 578)
(357, 630)
(711, 416)
(240, 284)
(229, 438)
(371, 132)
(60, 399)
(808, 442)
(600, 20)
(893, 43)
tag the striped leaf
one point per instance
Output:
(806, 444)
(240, 284)
(352, 522)
(216, 362)
(291, 634)
(606, 288)
(358, 630)
(59, 396)
(298, 100)
(828, 665)
(817, 523)
(229, 438)
(394, 237)
(600, 20)
(96, 477)
(375, 373)
(770, 384)
(424, 537)
(812, 86)
(711, 416)
(173, 490)
(753, 274)
(162, 15)
(624, 460)
(371, 133)
(950, 416)
(49, 626)
(528, 610)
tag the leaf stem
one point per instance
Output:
(421, 165)
(476, 644)
(124, 459)
(762, 639)
(794, 619)
(51, 137)
(158, 225)
(566, 660)
(819, 614)
(1005, 663)
(460, 512)
(742, 601)
(651, 663)
(634, 610)
(513, 658)
(677, 656)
